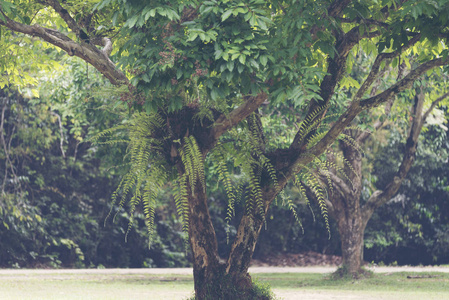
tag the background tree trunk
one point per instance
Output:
(351, 231)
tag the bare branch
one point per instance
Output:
(361, 138)
(376, 67)
(433, 105)
(61, 133)
(403, 84)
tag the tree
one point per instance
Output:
(206, 74)
(346, 205)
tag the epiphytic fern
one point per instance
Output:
(181, 197)
(313, 183)
(225, 178)
(310, 123)
(147, 173)
(193, 161)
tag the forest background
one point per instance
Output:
(56, 185)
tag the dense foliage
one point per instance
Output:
(56, 192)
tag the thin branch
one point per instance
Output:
(433, 105)
(64, 15)
(375, 69)
(378, 199)
(363, 136)
(5, 149)
(403, 84)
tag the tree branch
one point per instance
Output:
(335, 70)
(227, 121)
(433, 105)
(380, 197)
(403, 84)
(337, 7)
(64, 15)
(363, 136)
(376, 67)
(87, 52)
(61, 133)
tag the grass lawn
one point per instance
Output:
(428, 286)
(52, 285)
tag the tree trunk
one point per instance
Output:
(351, 231)
(347, 212)
(207, 269)
(213, 279)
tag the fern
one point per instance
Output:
(292, 208)
(225, 178)
(193, 161)
(310, 123)
(147, 174)
(181, 201)
(348, 140)
(318, 191)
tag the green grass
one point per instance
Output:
(288, 285)
(388, 281)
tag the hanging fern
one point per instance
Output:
(147, 174)
(193, 161)
(319, 193)
(302, 193)
(292, 208)
(225, 178)
(181, 200)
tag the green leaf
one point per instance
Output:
(192, 37)
(242, 59)
(226, 15)
(264, 60)
(179, 73)
(151, 14)
(131, 22)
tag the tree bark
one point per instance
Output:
(346, 211)
(351, 231)
(203, 242)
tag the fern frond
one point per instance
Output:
(318, 191)
(307, 125)
(225, 178)
(302, 193)
(181, 202)
(292, 208)
(332, 165)
(135, 200)
(256, 194)
(193, 161)
(348, 140)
